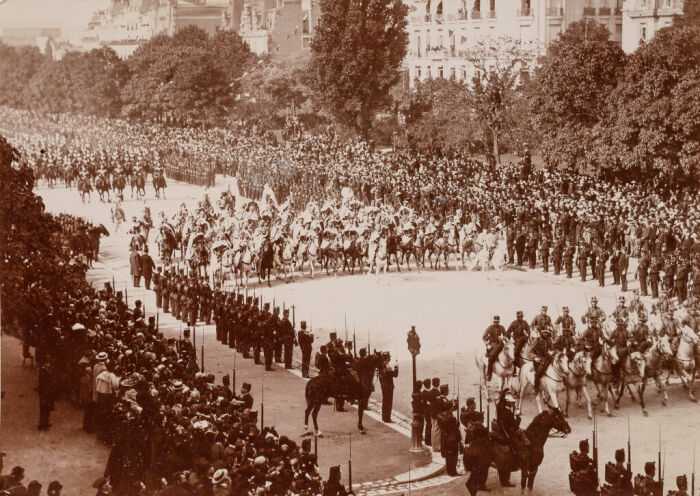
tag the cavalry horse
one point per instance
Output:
(685, 360)
(119, 183)
(102, 187)
(330, 251)
(602, 374)
(84, 187)
(579, 370)
(655, 357)
(392, 248)
(632, 374)
(167, 243)
(552, 381)
(356, 388)
(408, 247)
(284, 258)
(159, 184)
(354, 251)
(484, 452)
(243, 263)
(138, 181)
(266, 261)
(446, 246)
(307, 252)
(503, 366)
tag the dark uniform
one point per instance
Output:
(386, 381)
(655, 277)
(544, 253)
(157, 287)
(519, 331)
(289, 339)
(583, 261)
(557, 256)
(623, 265)
(600, 268)
(542, 351)
(569, 261)
(643, 271)
(306, 339)
(493, 342)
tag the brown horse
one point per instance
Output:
(480, 454)
(354, 388)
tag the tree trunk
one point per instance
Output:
(496, 151)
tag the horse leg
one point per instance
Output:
(619, 394)
(662, 388)
(588, 401)
(361, 405)
(309, 407)
(568, 400)
(640, 393)
(531, 479)
(691, 384)
(523, 479)
(314, 417)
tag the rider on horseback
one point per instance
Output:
(519, 331)
(620, 338)
(508, 424)
(492, 338)
(543, 352)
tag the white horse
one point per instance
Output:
(579, 370)
(602, 374)
(381, 257)
(244, 263)
(503, 367)
(655, 358)
(284, 258)
(553, 380)
(307, 252)
(685, 359)
(500, 256)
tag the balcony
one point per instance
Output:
(491, 14)
(524, 12)
(555, 11)
(476, 14)
(589, 11)
(604, 11)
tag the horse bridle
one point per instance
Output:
(578, 364)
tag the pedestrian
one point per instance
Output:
(46, 390)
(386, 381)
(135, 263)
(306, 340)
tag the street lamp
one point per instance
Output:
(417, 424)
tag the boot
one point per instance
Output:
(489, 371)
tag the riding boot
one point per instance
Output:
(489, 371)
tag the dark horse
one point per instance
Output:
(354, 388)
(266, 261)
(485, 450)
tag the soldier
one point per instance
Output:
(669, 274)
(682, 275)
(193, 302)
(185, 346)
(636, 304)
(279, 336)
(594, 313)
(542, 351)
(600, 268)
(593, 339)
(623, 265)
(510, 244)
(583, 261)
(386, 381)
(531, 250)
(206, 298)
(544, 253)
(646, 485)
(620, 339)
(621, 311)
(509, 428)
(492, 338)
(569, 260)
(641, 335)
(288, 338)
(157, 287)
(620, 478)
(267, 334)
(583, 471)
(520, 241)
(306, 340)
(655, 277)
(643, 272)
(557, 256)
(519, 332)
(615, 266)
(682, 484)
(566, 342)
(165, 289)
(426, 395)
(472, 421)
(565, 322)
(542, 321)
(174, 295)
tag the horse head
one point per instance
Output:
(582, 362)
(638, 362)
(663, 346)
(509, 349)
(561, 362)
(558, 422)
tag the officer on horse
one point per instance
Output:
(494, 345)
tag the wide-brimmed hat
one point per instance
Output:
(219, 477)
(102, 355)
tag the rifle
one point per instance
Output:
(629, 446)
(692, 478)
(595, 448)
(661, 480)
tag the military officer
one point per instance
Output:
(306, 340)
(288, 337)
(594, 313)
(492, 338)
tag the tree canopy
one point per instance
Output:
(356, 53)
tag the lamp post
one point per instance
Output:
(413, 342)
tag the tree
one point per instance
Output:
(571, 89)
(17, 67)
(691, 14)
(499, 63)
(356, 53)
(438, 117)
(652, 131)
(186, 76)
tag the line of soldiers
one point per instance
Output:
(583, 478)
(564, 328)
(189, 298)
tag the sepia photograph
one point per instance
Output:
(349, 247)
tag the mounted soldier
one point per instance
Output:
(519, 331)
(494, 345)
(620, 339)
(542, 321)
(621, 311)
(594, 313)
(543, 352)
(508, 427)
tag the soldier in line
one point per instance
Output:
(306, 340)
(386, 381)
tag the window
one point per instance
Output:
(428, 72)
(417, 71)
(464, 72)
(453, 73)
(306, 42)
(440, 73)
(643, 32)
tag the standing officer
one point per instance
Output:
(544, 252)
(655, 276)
(165, 290)
(615, 266)
(386, 381)
(643, 272)
(583, 261)
(288, 338)
(306, 339)
(682, 275)
(279, 336)
(569, 260)
(623, 265)
(600, 268)
(157, 287)
(557, 256)
(147, 266)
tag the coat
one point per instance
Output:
(147, 266)
(135, 262)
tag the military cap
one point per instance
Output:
(649, 468)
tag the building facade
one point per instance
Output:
(280, 28)
(128, 23)
(641, 19)
(442, 31)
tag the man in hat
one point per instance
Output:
(46, 390)
(623, 266)
(135, 266)
(646, 484)
(594, 313)
(288, 338)
(682, 484)
(165, 283)
(493, 339)
(185, 345)
(509, 428)
(157, 287)
(565, 321)
(643, 272)
(583, 469)
(54, 489)
(386, 381)
(620, 339)
(426, 395)
(542, 352)
(147, 266)
(602, 259)
(542, 321)
(519, 332)
(306, 340)
(655, 276)
(621, 310)
(472, 420)
(569, 254)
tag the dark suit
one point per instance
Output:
(135, 263)
(147, 266)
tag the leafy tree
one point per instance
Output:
(17, 67)
(570, 91)
(691, 14)
(652, 130)
(438, 117)
(500, 63)
(356, 53)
